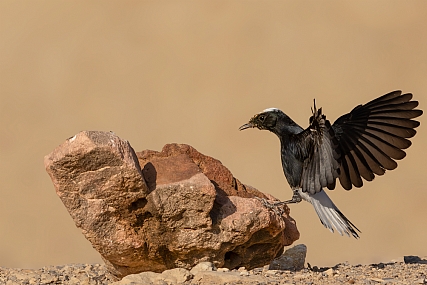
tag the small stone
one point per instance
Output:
(47, 278)
(241, 269)
(176, 275)
(377, 280)
(223, 269)
(411, 259)
(141, 278)
(292, 259)
(270, 273)
(244, 273)
(85, 281)
(330, 272)
(73, 281)
(203, 266)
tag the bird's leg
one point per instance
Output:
(272, 206)
(276, 206)
(296, 198)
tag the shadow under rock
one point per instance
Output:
(220, 200)
(149, 173)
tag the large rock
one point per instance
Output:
(153, 211)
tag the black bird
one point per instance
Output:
(361, 144)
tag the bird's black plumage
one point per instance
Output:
(372, 136)
(360, 144)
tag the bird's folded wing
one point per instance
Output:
(320, 154)
(371, 137)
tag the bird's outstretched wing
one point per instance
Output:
(319, 150)
(372, 136)
(363, 143)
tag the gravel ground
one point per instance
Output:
(413, 270)
(73, 274)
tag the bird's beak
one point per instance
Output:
(246, 126)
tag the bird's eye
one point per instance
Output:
(262, 118)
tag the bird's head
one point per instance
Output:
(266, 120)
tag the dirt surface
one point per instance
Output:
(412, 270)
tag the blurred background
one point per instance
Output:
(157, 72)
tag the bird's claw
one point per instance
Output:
(296, 198)
(275, 207)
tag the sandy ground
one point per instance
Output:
(158, 72)
(411, 270)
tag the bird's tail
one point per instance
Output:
(330, 216)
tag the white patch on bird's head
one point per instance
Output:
(270, 110)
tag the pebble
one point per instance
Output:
(203, 266)
(244, 273)
(96, 274)
(270, 273)
(377, 280)
(330, 272)
(75, 274)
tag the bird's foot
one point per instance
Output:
(275, 207)
(296, 198)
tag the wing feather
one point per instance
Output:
(325, 173)
(318, 179)
(359, 145)
(321, 164)
(372, 136)
(398, 122)
(354, 171)
(363, 165)
(345, 174)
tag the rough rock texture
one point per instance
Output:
(292, 259)
(170, 209)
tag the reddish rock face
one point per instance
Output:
(153, 211)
